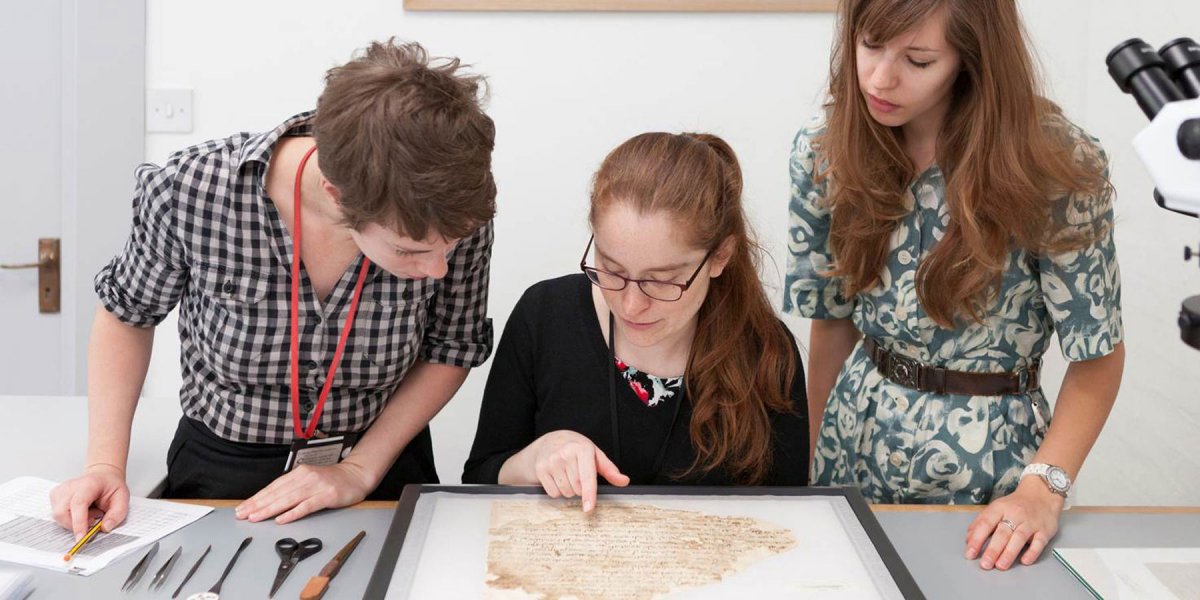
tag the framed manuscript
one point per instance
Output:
(626, 5)
(643, 542)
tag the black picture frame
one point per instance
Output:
(624, 5)
(381, 577)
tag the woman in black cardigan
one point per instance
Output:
(663, 362)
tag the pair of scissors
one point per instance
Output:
(291, 552)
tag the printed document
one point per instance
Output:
(29, 535)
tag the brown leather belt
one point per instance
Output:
(927, 378)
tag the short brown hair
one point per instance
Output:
(406, 142)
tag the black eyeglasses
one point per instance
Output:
(666, 291)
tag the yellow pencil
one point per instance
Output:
(71, 553)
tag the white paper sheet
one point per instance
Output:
(29, 535)
(1135, 573)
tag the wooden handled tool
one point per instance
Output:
(316, 586)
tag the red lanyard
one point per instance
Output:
(301, 431)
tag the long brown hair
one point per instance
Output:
(741, 364)
(1003, 149)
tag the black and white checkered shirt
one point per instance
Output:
(206, 237)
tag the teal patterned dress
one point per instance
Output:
(899, 445)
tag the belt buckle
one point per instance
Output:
(903, 370)
(1024, 380)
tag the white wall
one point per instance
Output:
(569, 87)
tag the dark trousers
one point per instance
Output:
(202, 465)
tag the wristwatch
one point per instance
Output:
(1056, 478)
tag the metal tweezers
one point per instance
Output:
(192, 571)
(165, 571)
(139, 569)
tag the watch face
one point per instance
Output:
(1058, 479)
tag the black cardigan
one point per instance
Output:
(551, 372)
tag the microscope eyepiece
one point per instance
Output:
(1140, 71)
(1182, 59)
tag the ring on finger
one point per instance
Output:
(1007, 523)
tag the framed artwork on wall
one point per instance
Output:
(626, 5)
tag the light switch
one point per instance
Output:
(169, 111)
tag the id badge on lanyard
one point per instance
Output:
(320, 451)
(311, 446)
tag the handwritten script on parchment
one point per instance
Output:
(554, 551)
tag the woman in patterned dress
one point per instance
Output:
(663, 362)
(946, 220)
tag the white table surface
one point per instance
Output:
(46, 436)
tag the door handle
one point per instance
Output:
(49, 281)
(35, 265)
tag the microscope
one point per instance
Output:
(1166, 85)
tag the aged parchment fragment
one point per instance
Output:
(554, 551)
